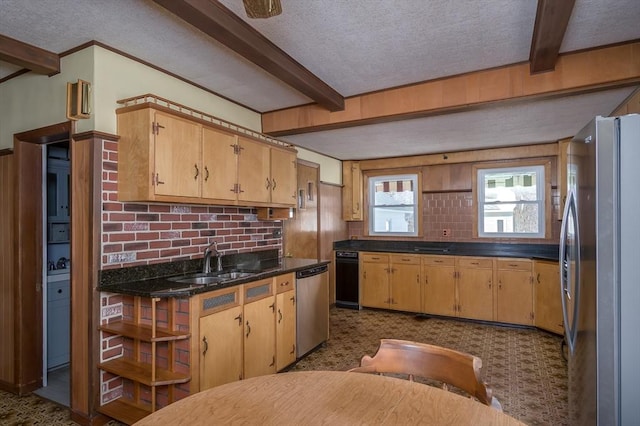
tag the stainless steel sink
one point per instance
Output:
(200, 280)
(211, 277)
(234, 275)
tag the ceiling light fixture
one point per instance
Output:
(262, 8)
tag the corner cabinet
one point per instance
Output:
(149, 360)
(167, 156)
(547, 302)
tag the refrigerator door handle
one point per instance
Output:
(565, 276)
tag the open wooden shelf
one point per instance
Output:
(142, 332)
(125, 411)
(141, 373)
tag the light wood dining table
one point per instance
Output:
(326, 398)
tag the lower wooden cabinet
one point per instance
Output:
(480, 288)
(390, 281)
(241, 327)
(547, 302)
(404, 283)
(259, 329)
(285, 321)
(220, 337)
(439, 288)
(221, 348)
(374, 280)
(514, 300)
(475, 288)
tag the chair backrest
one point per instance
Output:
(431, 362)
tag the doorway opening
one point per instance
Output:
(56, 289)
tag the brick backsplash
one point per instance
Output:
(454, 211)
(145, 233)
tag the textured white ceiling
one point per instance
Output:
(355, 46)
(519, 124)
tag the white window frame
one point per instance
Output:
(372, 181)
(541, 198)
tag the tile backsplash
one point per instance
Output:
(454, 211)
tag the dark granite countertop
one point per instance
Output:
(530, 251)
(155, 280)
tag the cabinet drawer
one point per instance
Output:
(285, 282)
(514, 264)
(406, 259)
(475, 262)
(374, 257)
(258, 290)
(439, 261)
(219, 300)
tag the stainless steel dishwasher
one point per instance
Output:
(312, 308)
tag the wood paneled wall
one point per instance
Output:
(86, 164)
(7, 250)
(300, 237)
(332, 227)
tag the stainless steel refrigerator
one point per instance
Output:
(600, 272)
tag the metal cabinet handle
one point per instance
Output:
(206, 345)
(197, 172)
(273, 307)
(206, 173)
(239, 318)
(293, 349)
(273, 184)
(267, 184)
(248, 329)
(273, 361)
(279, 316)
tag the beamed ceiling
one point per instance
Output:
(365, 79)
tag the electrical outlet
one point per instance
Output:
(446, 232)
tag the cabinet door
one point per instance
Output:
(352, 191)
(547, 302)
(254, 182)
(259, 338)
(177, 149)
(405, 284)
(375, 284)
(475, 293)
(221, 348)
(515, 297)
(220, 165)
(283, 177)
(285, 329)
(439, 290)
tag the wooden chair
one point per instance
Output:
(430, 362)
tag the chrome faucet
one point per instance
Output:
(206, 266)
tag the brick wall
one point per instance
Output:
(455, 211)
(145, 233)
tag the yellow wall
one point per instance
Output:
(117, 77)
(31, 101)
(330, 168)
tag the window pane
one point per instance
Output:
(394, 219)
(511, 186)
(511, 201)
(511, 218)
(393, 205)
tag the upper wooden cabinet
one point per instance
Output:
(447, 177)
(352, 191)
(164, 156)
